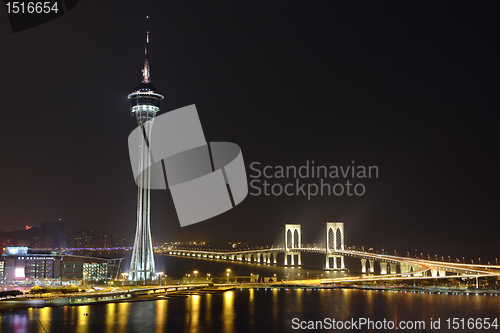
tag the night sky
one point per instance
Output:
(410, 88)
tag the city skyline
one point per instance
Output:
(328, 83)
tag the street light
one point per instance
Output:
(195, 272)
(228, 270)
(123, 279)
(160, 274)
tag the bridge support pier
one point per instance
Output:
(363, 265)
(335, 266)
(383, 267)
(292, 258)
(372, 266)
(393, 268)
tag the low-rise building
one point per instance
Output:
(20, 263)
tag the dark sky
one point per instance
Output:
(410, 88)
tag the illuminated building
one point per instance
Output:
(20, 263)
(145, 104)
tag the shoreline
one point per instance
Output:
(145, 294)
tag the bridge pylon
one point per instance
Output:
(334, 244)
(293, 243)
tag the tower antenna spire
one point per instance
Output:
(146, 75)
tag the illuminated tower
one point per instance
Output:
(145, 105)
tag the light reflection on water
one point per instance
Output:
(161, 317)
(195, 312)
(228, 312)
(45, 318)
(265, 310)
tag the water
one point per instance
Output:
(254, 310)
(178, 267)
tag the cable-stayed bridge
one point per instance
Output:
(331, 243)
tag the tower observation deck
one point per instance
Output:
(145, 105)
